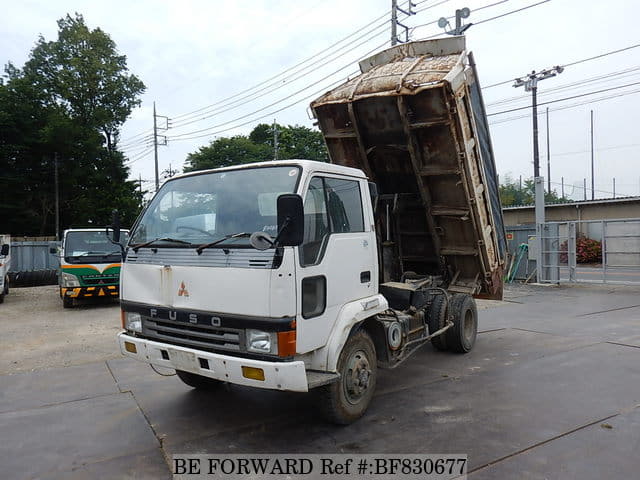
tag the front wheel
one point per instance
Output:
(67, 302)
(346, 400)
(198, 382)
(6, 285)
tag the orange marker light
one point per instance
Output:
(287, 343)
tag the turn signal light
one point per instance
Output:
(130, 347)
(253, 373)
(287, 343)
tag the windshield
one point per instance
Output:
(200, 209)
(92, 244)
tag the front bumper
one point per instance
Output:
(289, 376)
(89, 292)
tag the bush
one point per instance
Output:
(587, 251)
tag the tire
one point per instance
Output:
(462, 336)
(67, 302)
(437, 319)
(6, 285)
(198, 381)
(345, 401)
(1, 297)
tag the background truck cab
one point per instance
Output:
(89, 265)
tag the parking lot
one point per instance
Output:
(551, 390)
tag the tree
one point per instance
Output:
(293, 142)
(512, 194)
(67, 102)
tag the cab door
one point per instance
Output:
(336, 262)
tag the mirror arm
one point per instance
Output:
(122, 249)
(286, 223)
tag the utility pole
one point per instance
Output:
(584, 188)
(275, 140)
(530, 83)
(562, 180)
(548, 156)
(57, 189)
(394, 21)
(593, 191)
(155, 145)
(155, 140)
(614, 187)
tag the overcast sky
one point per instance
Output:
(194, 54)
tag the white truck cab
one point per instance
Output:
(295, 275)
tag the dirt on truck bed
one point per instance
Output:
(36, 332)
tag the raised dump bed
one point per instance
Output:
(414, 121)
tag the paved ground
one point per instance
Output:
(552, 390)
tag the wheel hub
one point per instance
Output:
(357, 376)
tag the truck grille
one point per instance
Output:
(100, 280)
(192, 335)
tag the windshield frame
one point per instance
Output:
(223, 245)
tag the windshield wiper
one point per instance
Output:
(135, 248)
(220, 240)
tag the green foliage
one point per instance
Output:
(69, 100)
(511, 194)
(293, 142)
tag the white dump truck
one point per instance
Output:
(5, 264)
(299, 275)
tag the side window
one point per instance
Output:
(316, 223)
(345, 205)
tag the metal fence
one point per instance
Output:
(32, 264)
(591, 251)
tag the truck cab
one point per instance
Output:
(89, 265)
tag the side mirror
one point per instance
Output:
(115, 225)
(4, 250)
(53, 250)
(373, 193)
(290, 220)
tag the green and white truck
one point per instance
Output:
(89, 265)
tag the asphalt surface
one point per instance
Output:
(551, 391)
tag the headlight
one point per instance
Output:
(70, 280)
(262, 342)
(133, 322)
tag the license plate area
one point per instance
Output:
(182, 360)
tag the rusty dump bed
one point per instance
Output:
(414, 121)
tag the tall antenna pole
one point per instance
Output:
(155, 145)
(593, 191)
(548, 156)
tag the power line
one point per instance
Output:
(612, 52)
(564, 98)
(209, 111)
(271, 87)
(597, 79)
(279, 74)
(565, 107)
(265, 115)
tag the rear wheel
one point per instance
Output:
(198, 382)
(345, 401)
(437, 319)
(6, 285)
(462, 336)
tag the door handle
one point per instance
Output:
(365, 277)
